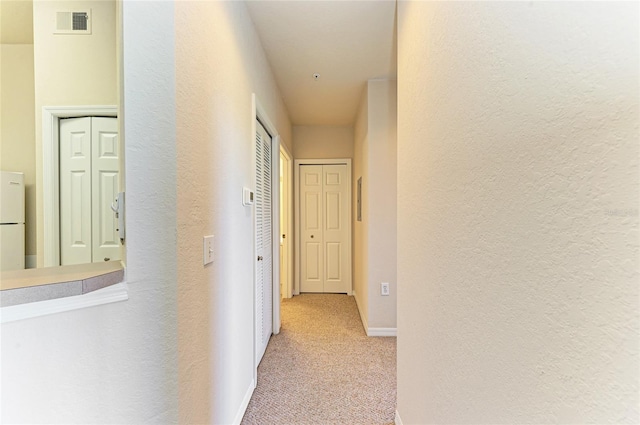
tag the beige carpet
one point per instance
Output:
(323, 369)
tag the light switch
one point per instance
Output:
(208, 250)
(247, 197)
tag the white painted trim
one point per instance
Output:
(288, 177)
(50, 171)
(373, 332)
(275, 233)
(382, 331)
(298, 163)
(254, 129)
(110, 294)
(397, 419)
(245, 403)
(296, 223)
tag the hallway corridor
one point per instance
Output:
(323, 369)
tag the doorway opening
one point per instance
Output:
(286, 223)
(51, 116)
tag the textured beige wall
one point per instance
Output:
(215, 150)
(71, 69)
(360, 233)
(381, 202)
(375, 236)
(311, 142)
(518, 192)
(17, 127)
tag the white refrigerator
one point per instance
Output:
(11, 221)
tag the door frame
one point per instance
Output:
(51, 116)
(260, 113)
(298, 163)
(288, 205)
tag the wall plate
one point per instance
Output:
(207, 250)
(247, 196)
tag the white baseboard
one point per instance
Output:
(245, 403)
(397, 419)
(374, 331)
(382, 331)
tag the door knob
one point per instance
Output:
(311, 236)
(259, 257)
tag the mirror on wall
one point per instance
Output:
(59, 126)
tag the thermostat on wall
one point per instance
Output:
(247, 197)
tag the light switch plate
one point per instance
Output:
(208, 249)
(247, 196)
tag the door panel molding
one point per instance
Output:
(89, 182)
(346, 271)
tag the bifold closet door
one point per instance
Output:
(324, 217)
(264, 246)
(105, 178)
(75, 191)
(89, 182)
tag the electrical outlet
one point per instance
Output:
(384, 288)
(207, 250)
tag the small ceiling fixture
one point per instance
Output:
(316, 77)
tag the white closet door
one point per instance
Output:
(311, 229)
(264, 267)
(325, 258)
(89, 183)
(337, 258)
(105, 182)
(75, 191)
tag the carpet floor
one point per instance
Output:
(323, 369)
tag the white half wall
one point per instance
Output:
(518, 193)
(117, 363)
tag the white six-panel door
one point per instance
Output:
(89, 168)
(75, 191)
(337, 251)
(311, 217)
(325, 263)
(264, 246)
(105, 166)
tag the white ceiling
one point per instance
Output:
(346, 42)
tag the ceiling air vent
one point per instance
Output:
(73, 22)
